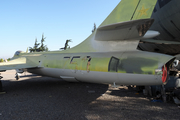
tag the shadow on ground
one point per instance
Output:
(48, 98)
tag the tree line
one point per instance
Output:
(39, 47)
(4, 60)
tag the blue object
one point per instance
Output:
(157, 101)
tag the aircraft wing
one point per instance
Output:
(18, 63)
(160, 41)
(160, 46)
(135, 29)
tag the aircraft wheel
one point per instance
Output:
(17, 77)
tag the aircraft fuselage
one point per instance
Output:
(124, 68)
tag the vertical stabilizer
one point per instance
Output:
(128, 10)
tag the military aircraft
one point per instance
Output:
(166, 16)
(109, 55)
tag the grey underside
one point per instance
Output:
(99, 77)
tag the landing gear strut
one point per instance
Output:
(1, 88)
(17, 76)
(1, 83)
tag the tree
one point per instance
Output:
(46, 48)
(1, 60)
(94, 27)
(43, 47)
(8, 59)
(36, 47)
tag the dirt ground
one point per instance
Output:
(44, 98)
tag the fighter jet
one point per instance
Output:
(166, 16)
(109, 55)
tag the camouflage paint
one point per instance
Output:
(135, 62)
(77, 64)
(137, 9)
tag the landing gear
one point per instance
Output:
(1, 84)
(18, 73)
(1, 88)
(163, 93)
(17, 76)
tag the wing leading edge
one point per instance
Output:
(18, 63)
(135, 29)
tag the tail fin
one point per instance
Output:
(137, 9)
(123, 28)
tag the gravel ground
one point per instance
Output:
(44, 98)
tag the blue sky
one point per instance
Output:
(22, 21)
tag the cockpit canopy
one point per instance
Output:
(17, 53)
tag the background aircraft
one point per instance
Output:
(166, 15)
(108, 55)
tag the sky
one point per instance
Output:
(22, 21)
